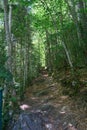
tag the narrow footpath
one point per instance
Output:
(45, 108)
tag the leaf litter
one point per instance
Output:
(61, 111)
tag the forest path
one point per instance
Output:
(45, 96)
(59, 112)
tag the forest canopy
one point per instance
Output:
(37, 34)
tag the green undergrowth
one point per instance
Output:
(73, 85)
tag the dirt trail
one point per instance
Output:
(45, 99)
(45, 96)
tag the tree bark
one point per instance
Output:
(8, 34)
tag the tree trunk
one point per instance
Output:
(67, 54)
(48, 53)
(8, 34)
(83, 21)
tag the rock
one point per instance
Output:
(32, 121)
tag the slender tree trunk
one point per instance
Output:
(21, 68)
(67, 54)
(25, 64)
(27, 45)
(48, 53)
(8, 38)
(8, 34)
(10, 19)
(83, 20)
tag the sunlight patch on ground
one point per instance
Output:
(34, 98)
(24, 107)
(64, 97)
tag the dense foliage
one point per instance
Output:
(40, 33)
